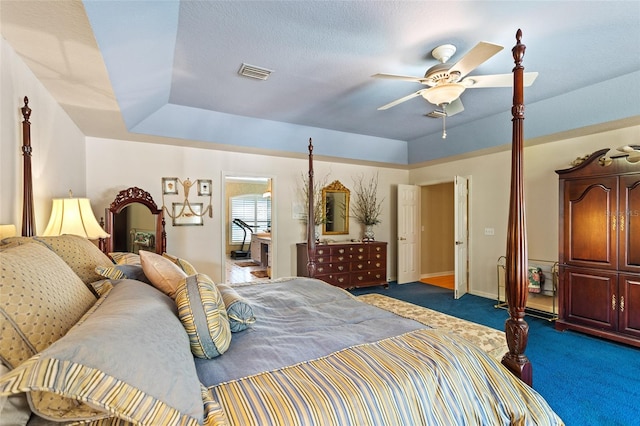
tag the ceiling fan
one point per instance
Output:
(446, 82)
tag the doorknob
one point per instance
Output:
(458, 243)
(402, 238)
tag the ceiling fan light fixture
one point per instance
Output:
(443, 94)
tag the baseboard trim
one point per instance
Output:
(436, 274)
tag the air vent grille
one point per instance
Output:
(252, 71)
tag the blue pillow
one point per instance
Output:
(239, 310)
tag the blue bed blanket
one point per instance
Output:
(298, 319)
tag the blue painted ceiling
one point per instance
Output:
(172, 71)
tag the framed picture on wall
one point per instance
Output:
(187, 215)
(170, 186)
(204, 187)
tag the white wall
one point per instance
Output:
(489, 200)
(114, 165)
(58, 146)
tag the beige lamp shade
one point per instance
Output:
(74, 216)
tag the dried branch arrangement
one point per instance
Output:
(365, 207)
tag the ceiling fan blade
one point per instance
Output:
(454, 107)
(399, 77)
(497, 80)
(401, 100)
(476, 56)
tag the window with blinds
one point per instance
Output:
(254, 210)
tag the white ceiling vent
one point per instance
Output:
(252, 71)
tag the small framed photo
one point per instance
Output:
(204, 187)
(170, 186)
(185, 216)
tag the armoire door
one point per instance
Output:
(629, 223)
(629, 305)
(590, 222)
(590, 298)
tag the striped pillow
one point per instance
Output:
(239, 311)
(187, 267)
(119, 272)
(124, 258)
(203, 315)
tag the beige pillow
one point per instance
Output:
(162, 272)
(81, 255)
(40, 300)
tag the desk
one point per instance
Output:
(260, 248)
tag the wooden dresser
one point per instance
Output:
(599, 280)
(347, 265)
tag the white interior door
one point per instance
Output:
(408, 233)
(461, 257)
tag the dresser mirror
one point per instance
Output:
(135, 223)
(335, 205)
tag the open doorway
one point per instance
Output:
(247, 227)
(437, 228)
(444, 235)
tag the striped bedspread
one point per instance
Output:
(423, 377)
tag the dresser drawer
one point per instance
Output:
(367, 278)
(347, 265)
(340, 280)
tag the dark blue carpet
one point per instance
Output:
(586, 380)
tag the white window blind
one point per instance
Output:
(254, 210)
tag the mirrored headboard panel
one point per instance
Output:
(135, 222)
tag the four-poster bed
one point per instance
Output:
(303, 352)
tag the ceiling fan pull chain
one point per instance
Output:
(444, 121)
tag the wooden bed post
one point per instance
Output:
(311, 237)
(516, 286)
(28, 222)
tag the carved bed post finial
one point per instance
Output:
(516, 286)
(28, 221)
(311, 238)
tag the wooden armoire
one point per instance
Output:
(599, 281)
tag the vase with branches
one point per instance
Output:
(366, 208)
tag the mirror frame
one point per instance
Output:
(335, 186)
(130, 196)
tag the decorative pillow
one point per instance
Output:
(41, 298)
(202, 312)
(187, 267)
(124, 258)
(139, 336)
(163, 273)
(119, 272)
(80, 254)
(239, 311)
